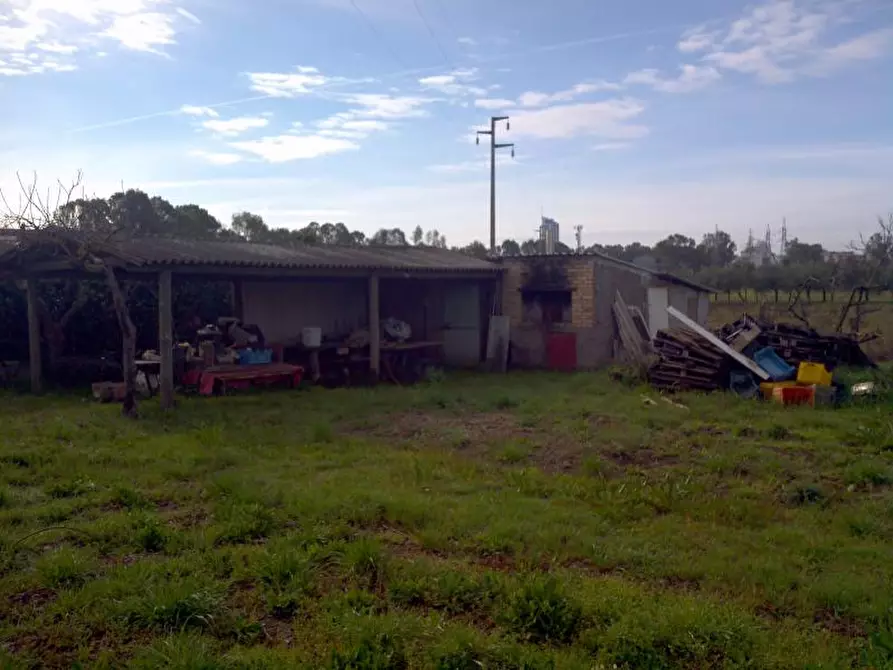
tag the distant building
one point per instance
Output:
(758, 253)
(549, 235)
(839, 256)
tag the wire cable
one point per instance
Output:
(375, 31)
(436, 41)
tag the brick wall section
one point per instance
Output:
(512, 302)
(581, 276)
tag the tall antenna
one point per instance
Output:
(578, 231)
(769, 239)
(784, 236)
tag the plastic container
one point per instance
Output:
(813, 374)
(255, 356)
(794, 395)
(767, 388)
(772, 363)
(311, 337)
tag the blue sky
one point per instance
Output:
(634, 119)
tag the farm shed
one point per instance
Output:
(443, 295)
(560, 306)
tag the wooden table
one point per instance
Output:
(224, 377)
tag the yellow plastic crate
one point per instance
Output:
(813, 374)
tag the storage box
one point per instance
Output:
(772, 363)
(794, 395)
(766, 388)
(255, 356)
(813, 374)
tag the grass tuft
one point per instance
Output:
(540, 611)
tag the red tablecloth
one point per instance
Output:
(244, 376)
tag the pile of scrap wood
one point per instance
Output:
(687, 361)
(797, 343)
(694, 358)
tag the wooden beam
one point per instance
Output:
(374, 328)
(35, 361)
(166, 338)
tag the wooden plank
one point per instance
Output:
(166, 338)
(629, 333)
(35, 361)
(719, 344)
(374, 328)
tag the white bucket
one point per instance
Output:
(311, 337)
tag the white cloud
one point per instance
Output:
(610, 146)
(538, 99)
(216, 158)
(779, 40)
(384, 106)
(33, 28)
(188, 15)
(491, 103)
(480, 165)
(284, 148)
(193, 110)
(289, 84)
(342, 125)
(609, 119)
(692, 78)
(454, 84)
(235, 126)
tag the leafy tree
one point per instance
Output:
(132, 212)
(530, 247)
(476, 249)
(677, 252)
(435, 239)
(391, 237)
(250, 226)
(418, 235)
(195, 223)
(801, 253)
(510, 248)
(717, 248)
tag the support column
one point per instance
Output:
(166, 338)
(35, 361)
(238, 304)
(374, 329)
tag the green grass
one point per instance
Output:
(522, 521)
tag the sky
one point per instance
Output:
(632, 119)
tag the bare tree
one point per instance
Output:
(42, 219)
(877, 251)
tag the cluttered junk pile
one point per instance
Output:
(786, 363)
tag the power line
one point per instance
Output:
(418, 10)
(375, 31)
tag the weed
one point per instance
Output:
(180, 652)
(151, 535)
(365, 562)
(379, 652)
(513, 453)
(70, 488)
(246, 523)
(805, 493)
(868, 473)
(63, 568)
(176, 606)
(778, 432)
(322, 433)
(129, 498)
(540, 611)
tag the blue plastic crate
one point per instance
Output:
(255, 356)
(772, 363)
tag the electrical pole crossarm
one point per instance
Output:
(493, 147)
(504, 146)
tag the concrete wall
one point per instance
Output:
(282, 309)
(684, 299)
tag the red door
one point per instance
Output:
(561, 351)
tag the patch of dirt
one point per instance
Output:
(643, 458)
(34, 598)
(477, 434)
(839, 624)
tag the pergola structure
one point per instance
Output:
(32, 257)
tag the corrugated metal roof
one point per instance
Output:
(161, 251)
(664, 276)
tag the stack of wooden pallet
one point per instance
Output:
(687, 361)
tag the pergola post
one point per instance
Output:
(374, 329)
(35, 361)
(166, 338)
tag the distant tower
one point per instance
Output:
(548, 234)
(769, 239)
(784, 237)
(578, 232)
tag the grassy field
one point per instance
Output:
(528, 521)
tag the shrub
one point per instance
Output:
(379, 652)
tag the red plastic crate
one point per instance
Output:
(794, 395)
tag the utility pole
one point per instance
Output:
(493, 147)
